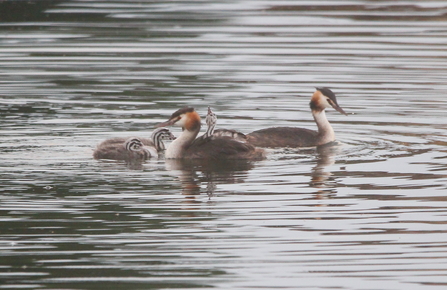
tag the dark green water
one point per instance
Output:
(367, 214)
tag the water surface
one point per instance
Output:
(368, 213)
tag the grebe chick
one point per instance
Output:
(239, 136)
(299, 137)
(136, 150)
(184, 146)
(158, 136)
(133, 148)
(133, 144)
(211, 120)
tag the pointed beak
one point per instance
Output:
(337, 107)
(167, 123)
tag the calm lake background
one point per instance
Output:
(370, 213)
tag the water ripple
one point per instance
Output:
(367, 211)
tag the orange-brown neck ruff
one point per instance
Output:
(316, 102)
(189, 120)
(192, 121)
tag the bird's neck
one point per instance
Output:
(157, 139)
(210, 130)
(325, 131)
(179, 145)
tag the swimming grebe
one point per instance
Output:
(133, 148)
(136, 150)
(214, 147)
(299, 137)
(133, 144)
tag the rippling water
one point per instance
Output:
(368, 213)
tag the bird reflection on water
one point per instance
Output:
(193, 174)
(321, 177)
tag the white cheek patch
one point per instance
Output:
(181, 121)
(327, 103)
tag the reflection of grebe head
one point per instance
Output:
(133, 144)
(324, 98)
(187, 118)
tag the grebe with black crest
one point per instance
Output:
(212, 147)
(300, 137)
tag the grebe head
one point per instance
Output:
(160, 134)
(187, 118)
(211, 118)
(324, 98)
(133, 144)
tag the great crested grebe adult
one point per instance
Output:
(133, 148)
(299, 137)
(214, 147)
